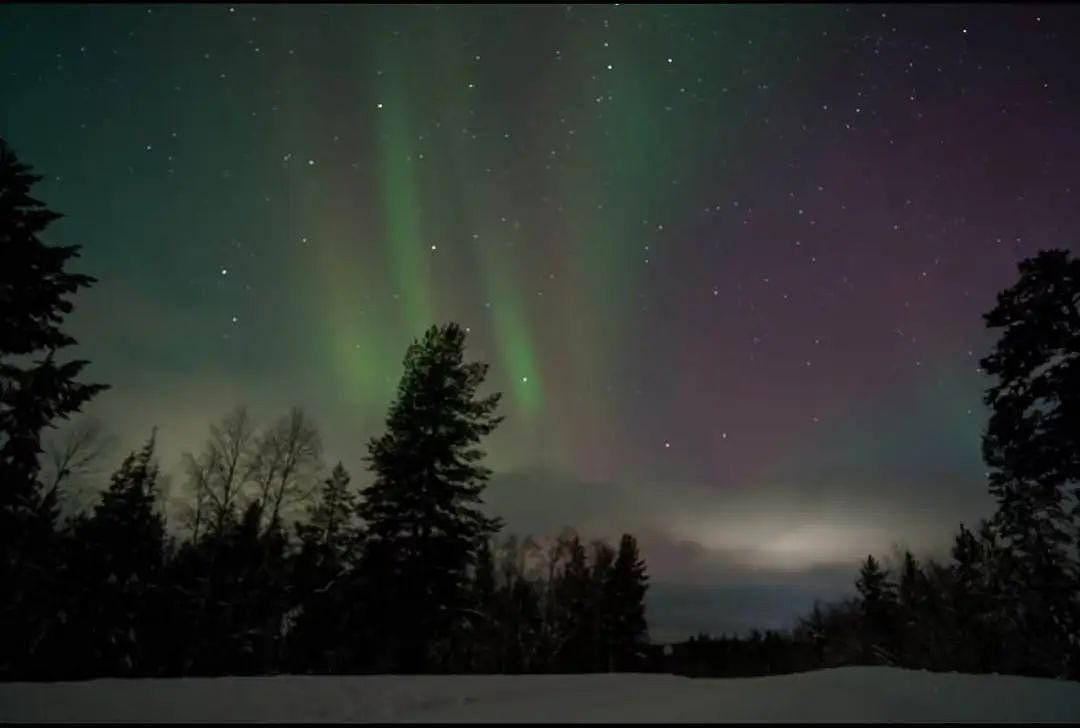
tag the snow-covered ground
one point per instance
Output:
(845, 694)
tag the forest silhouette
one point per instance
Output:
(275, 566)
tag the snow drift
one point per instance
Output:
(844, 694)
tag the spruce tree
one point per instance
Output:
(910, 592)
(116, 568)
(629, 583)
(35, 391)
(258, 599)
(604, 606)
(236, 597)
(966, 598)
(328, 546)
(422, 518)
(912, 603)
(815, 630)
(34, 296)
(878, 612)
(939, 630)
(967, 555)
(573, 611)
(1032, 444)
(331, 527)
(998, 612)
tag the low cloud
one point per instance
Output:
(730, 559)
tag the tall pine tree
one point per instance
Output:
(331, 528)
(118, 561)
(912, 603)
(604, 606)
(629, 583)
(574, 613)
(967, 599)
(423, 524)
(878, 612)
(35, 392)
(1032, 444)
(328, 545)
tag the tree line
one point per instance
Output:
(274, 566)
(278, 568)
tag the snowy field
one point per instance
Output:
(845, 694)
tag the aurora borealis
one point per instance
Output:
(727, 262)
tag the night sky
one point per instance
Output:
(727, 263)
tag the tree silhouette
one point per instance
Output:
(999, 584)
(423, 524)
(629, 584)
(1032, 441)
(481, 649)
(968, 597)
(329, 542)
(521, 625)
(331, 527)
(878, 612)
(574, 615)
(74, 454)
(116, 564)
(218, 475)
(35, 392)
(912, 597)
(283, 462)
(604, 606)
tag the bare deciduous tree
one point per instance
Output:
(285, 461)
(194, 510)
(76, 453)
(217, 476)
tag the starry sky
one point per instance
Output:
(727, 262)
